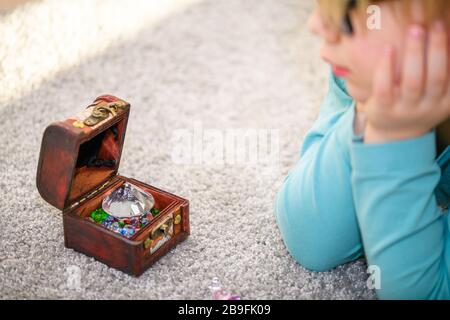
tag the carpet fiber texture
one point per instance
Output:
(214, 66)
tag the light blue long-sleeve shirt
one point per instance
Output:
(389, 201)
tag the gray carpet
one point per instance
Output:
(227, 64)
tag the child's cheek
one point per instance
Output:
(363, 58)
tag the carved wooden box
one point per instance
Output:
(78, 168)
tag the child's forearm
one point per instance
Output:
(402, 227)
(314, 207)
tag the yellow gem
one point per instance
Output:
(78, 124)
(147, 243)
(177, 219)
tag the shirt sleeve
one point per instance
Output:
(314, 207)
(404, 232)
(335, 103)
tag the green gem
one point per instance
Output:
(121, 224)
(99, 215)
(155, 211)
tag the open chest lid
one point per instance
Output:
(81, 154)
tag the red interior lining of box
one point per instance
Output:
(106, 146)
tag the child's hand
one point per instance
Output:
(421, 101)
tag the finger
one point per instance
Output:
(383, 86)
(413, 65)
(437, 61)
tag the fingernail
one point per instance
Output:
(416, 31)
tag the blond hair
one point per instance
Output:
(334, 10)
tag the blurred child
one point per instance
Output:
(374, 175)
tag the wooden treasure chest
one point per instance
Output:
(119, 221)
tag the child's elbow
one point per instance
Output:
(313, 262)
(317, 266)
(311, 250)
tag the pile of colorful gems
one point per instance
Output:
(125, 227)
(219, 293)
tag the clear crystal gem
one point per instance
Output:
(128, 201)
(216, 284)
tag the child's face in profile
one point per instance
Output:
(354, 56)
